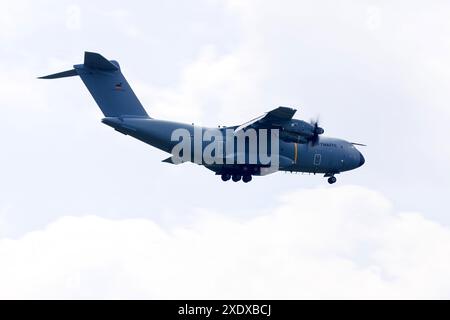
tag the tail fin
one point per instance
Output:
(107, 85)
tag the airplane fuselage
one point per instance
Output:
(329, 156)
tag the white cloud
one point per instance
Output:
(73, 17)
(374, 18)
(343, 242)
(227, 83)
(15, 16)
(125, 23)
(19, 90)
(2, 222)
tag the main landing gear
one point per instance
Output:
(236, 177)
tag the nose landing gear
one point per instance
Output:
(332, 180)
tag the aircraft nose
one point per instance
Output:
(361, 159)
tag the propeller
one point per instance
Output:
(316, 131)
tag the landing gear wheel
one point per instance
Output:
(332, 180)
(226, 177)
(247, 179)
(236, 177)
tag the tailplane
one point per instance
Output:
(107, 85)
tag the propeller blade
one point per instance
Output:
(316, 131)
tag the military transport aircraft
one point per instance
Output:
(293, 145)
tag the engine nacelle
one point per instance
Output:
(292, 137)
(300, 131)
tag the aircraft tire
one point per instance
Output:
(332, 180)
(236, 177)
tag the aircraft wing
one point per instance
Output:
(269, 120)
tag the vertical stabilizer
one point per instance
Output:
(107, 85)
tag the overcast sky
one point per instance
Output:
(86, 212)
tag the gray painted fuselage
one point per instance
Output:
(329, 156)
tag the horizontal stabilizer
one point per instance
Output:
(173, 160)
(97, 61)
(64, 74)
